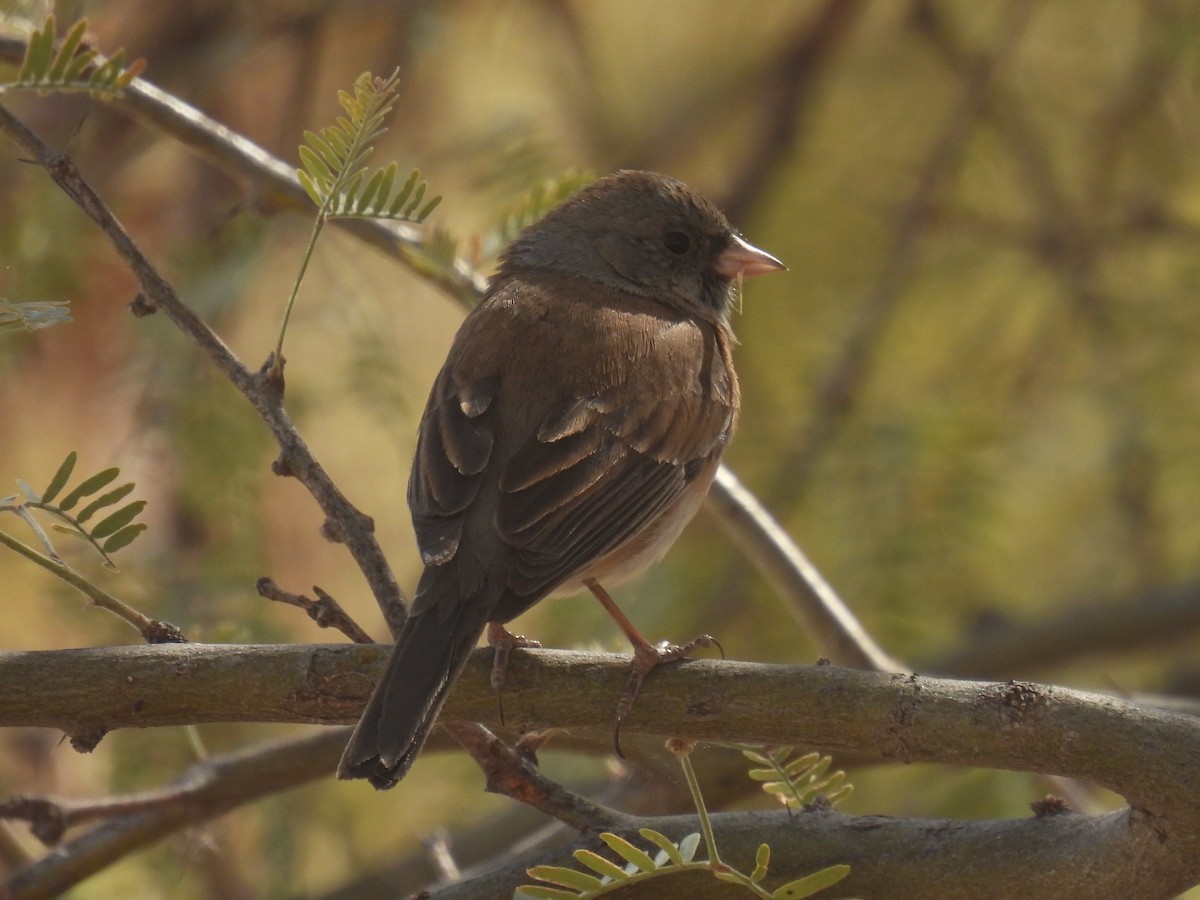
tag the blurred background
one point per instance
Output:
(972, 399)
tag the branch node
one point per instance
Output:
(142, 306)
(282, 466)
(333, 530)
(86, 740)
(160, 632)
(270, 378)
(47, 819)
(1051, 805)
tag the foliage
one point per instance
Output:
(72, 67)
(797, 781)
(790, 779)
(110, 534)
(335, 171)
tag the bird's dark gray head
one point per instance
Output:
(647, 234)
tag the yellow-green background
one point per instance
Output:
(1022, 433)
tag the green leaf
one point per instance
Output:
(600, 865)
(69, 530)
(811, 765)
(810, 884)
(836, 797)
(762, 859)
(118, 520)
(321, 145)
(105, 500)
(90, 486)
(74, 71)
(763, 774)
(310, 187)
(664, 843)
(628, 852)
(565, 877)
(123, 538)
(428, 208)
(367, 197)
(39, 52)
(66, 52)
(317, 169)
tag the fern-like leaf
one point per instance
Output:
(113, 532)
(609, 876)
(73, 66)
(334, 170)
(797, 780)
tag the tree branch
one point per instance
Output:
(886, 717)
(344, 522)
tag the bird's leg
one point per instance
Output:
(646, 656)
(502, 642)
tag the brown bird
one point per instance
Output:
(573, 431)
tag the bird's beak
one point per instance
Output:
(741, 258)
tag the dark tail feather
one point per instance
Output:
(426, 661)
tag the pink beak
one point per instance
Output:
(741, 258)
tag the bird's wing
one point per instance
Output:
(594, 459)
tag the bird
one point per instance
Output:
(574, 429)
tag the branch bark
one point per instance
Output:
(1152, 758)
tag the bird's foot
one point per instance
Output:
(503, 643)
(646, 658)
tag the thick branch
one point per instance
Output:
(207, 790)
(1017, 726)
(1067, 857)
(1013, 726)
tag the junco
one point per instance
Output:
(573, 431)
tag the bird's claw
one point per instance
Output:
(647, 658)
(503, 643)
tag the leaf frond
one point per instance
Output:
(796, 780)
(606, 876)
(73, 67)
(334, 170)
(113, 532)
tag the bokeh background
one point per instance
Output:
(972, 398)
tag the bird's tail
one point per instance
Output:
(429, 655)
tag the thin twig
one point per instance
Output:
(153, 631)
(822, 613)
(343, 522)
(515, 775)
(208, 789)
(325, 610)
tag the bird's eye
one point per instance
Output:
(677, 242)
